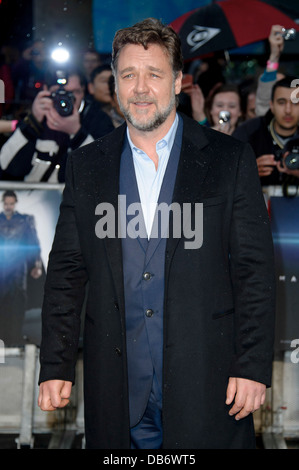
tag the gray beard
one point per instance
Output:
(158, 119)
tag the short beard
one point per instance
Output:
(158, 119)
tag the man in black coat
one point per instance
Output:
(208, 351)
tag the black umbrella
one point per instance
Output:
(227, 24)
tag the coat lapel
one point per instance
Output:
(192, 170)
(106, 184)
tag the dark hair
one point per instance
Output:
(285, 82)
(98, 70)
(9, 193)
(144, 33)
(221, 88)
(111, 84)
(224, 88)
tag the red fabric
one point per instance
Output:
(249, 19)
(178, 23)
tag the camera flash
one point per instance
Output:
(60, 55)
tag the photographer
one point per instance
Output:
(224, 108)
(269, 134)
(38, 149)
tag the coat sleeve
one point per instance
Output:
(252, 274)
(64, 294)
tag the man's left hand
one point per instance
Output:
(248, 396)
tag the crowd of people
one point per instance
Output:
(36, 140)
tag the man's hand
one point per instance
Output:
(247, 395)
(54, 394)
(41, 104)
(266, 164)
(197, 101)
(68, 124)
(276, 42)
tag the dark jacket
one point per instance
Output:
(219, 299)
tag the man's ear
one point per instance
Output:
(90, 88)
(178, 83)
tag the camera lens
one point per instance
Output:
(292, 161)
(63, 102)
(224, 117)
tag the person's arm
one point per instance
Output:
(64, 296)
(17, 153)
(269, 77)
(197, 102)
(266, 164)
(253, 282)
(8, 126)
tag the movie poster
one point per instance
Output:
(285, 229)
(28, 219)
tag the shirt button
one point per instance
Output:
(149, 312)
(146, 276)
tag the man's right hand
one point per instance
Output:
(276, 42)
(266, 164)
(41, 105)
(54, 394)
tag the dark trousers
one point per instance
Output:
(148, 433)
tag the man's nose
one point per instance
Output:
(288, 107)
(141, 85)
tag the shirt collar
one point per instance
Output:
(167, 140)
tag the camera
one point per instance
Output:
(292, 159)
(288, 34)
(63, 100)
(224, 117)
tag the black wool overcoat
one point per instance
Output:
(219, 298)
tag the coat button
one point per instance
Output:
(146, 276)
(118, 351)
(149, 312)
